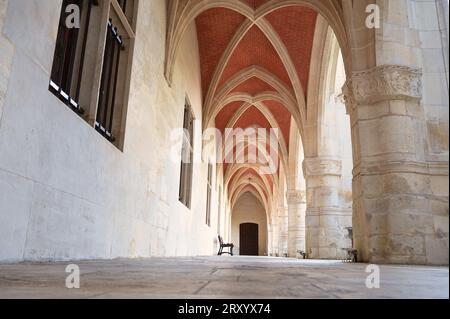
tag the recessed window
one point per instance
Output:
(67, 76)
(187, 157)
(111, 110)
(208, 195)
(92, 65)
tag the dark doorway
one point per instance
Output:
(248, 239)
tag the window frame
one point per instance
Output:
(188, 145)
(95, 53)
(209, 188)
(71, 66)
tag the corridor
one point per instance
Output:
(139, 135)
(221, 277)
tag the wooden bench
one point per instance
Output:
(302, 253)
(223, 245)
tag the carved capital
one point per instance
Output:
(347, 97)
(322, 166)
(295, 196)
(385, 82)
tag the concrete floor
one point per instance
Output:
(221, 277)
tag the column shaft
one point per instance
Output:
(326, 221)
(296, 222)
(397, 217)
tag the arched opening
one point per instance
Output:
(328, 163)
(282, 65)
(258, 73)
(249, 226)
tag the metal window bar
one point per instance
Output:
(66, 53)
(109, 80)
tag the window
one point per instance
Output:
(110, 111)
(92, 65)
(108, 86)
(219, 210)
(187, 155)
(208, 195)
(68, 63)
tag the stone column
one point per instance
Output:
(396, 216)
(282, 231)
(326, 221)
(270, 233)
(296, 200)
(274, 240)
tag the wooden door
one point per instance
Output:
(248, 239)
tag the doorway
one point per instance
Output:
(248, 239)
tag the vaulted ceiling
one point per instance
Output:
(255, 74)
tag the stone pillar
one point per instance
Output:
(326, 221)
(282, 231)
(396, 216)
(296, 200)
(274, 240)
(270, 233)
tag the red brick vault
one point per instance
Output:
(252, 76)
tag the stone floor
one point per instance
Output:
(221, 277)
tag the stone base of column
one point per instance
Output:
(282, 232)
(328, 235)
(296, 241)
(296, 222)
(402, 227)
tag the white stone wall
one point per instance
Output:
(7, 51)
(66, 192)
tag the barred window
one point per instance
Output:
(68, 63)
(219, 210)
(208, 195)
(110, 76)
(92, 62)
(187, 155)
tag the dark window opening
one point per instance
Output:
(108, 88)
(70, 50)
(92, 62)
(187, 155)
(208, 195)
